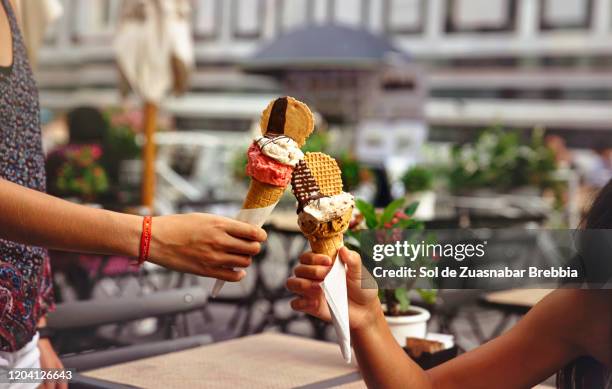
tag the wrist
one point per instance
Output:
(159, 247)
(128, 229)
(373, 319)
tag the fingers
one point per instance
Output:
(312, 272)
(233, 260)
(353, 263)
(310, 258)
(304, 287)
(239, 246)
(245, 231)
(307, 305)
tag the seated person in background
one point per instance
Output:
(86, 128)
(570, 332)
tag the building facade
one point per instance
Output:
(515, 62)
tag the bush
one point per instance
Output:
(417, 179)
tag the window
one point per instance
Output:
(247, 18)
(404, 16)
(481, 16)
(565, 14)
(294, 13)
(206, 19)
(351, 12)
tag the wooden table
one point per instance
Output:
(259, 361)
(510, 302)
(516, 300)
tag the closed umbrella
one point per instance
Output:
(154, 51)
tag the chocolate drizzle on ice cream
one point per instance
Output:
(304, 186)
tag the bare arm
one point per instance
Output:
(537, 347)
(201, 244)
(551, 335)
(34, 218)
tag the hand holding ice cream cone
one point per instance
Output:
(272, 157)
(324, 214)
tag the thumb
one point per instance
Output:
(353, 263)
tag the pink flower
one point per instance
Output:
(96, 151)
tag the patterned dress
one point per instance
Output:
(25, 277)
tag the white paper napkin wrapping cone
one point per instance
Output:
(254, 216)
(334, 288)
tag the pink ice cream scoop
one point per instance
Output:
(265, 169)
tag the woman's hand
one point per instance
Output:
(363, 303)
(205, 245)
(50, 360)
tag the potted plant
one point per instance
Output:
(404, 319)
(418, 184)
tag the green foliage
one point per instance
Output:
(369, 213)
(401, 296)
(120, 143)
(81, 175)
(499, 160)
(120, 140)
(390, 210)
(389, 224)
(239, 163)
(318, 141)
(353, 171)
(428, 295)
(417, 179)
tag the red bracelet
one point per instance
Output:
(145, 240)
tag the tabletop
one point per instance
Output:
(519, 298)
(260, 361)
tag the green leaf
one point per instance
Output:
(390, 210)
(401, 295)
(411, 209)
(428, 295)
(368, 211)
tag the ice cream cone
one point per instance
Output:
(327, 245)
(324, 213)
(262, 195)
(324, 237)
(284, 118)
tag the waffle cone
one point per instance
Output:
(326, 172)
(299, 121)
(262, 195)
(328, 246)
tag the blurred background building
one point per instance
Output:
(515, 62)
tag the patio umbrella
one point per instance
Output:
(344, 48)
(154, 50)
